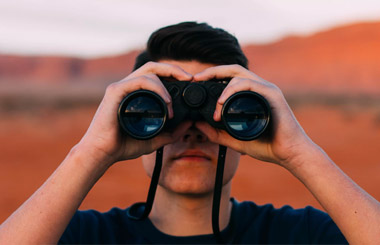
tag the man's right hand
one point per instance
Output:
(104, 142)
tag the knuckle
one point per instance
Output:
(274, 89)
(247, 82)
(238, 68)
(111, 88)
(235, 86)
(150, 64)
(234, 81)
(144, 78)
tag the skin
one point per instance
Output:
(187, 178)
(189, 156)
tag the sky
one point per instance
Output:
(94, 28)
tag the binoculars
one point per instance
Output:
(143, 114)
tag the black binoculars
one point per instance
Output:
(143, 114)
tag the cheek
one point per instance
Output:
(148, 162)
(231, 164)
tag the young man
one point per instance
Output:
(182, 209)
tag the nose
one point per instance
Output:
(193, 135)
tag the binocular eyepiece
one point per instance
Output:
(143, 114)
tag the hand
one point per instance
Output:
(104, 142)
(286, 138)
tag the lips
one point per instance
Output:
(192, 155)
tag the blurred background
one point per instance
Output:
(57, 57)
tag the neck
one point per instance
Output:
(186, 215)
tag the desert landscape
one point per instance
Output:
(331, 80)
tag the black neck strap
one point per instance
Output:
(218, 193)
(135, 212)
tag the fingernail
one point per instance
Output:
(189, 75)
(196, 76)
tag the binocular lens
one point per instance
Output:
(142, 115)
(246, 115)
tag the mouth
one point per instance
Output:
(193, 156)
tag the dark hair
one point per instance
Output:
(188, 41)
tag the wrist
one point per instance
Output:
(90, 159)
(304, 155)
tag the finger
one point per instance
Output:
(154, 84)
(221, 137)
(163, 70)
(170, 137)
(170, 110)
(147, 82)
(237, 84)
(223, 71)
(136, 148)
(218, 112)
(117, 91)
(218, 136)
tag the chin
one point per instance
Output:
(190, 190)
(189, 183)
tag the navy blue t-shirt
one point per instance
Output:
(249, 224)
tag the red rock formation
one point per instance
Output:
(340, 60)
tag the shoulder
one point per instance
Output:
(91, 226)
(95, 219)
(276, 225)
(284, 214)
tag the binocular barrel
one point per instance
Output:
(143, 114)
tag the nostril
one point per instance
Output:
(193, 134)
(186, 137)
(200, 137)
(196, 137)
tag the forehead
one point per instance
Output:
(192, 67)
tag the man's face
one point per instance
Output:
(189, 165)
